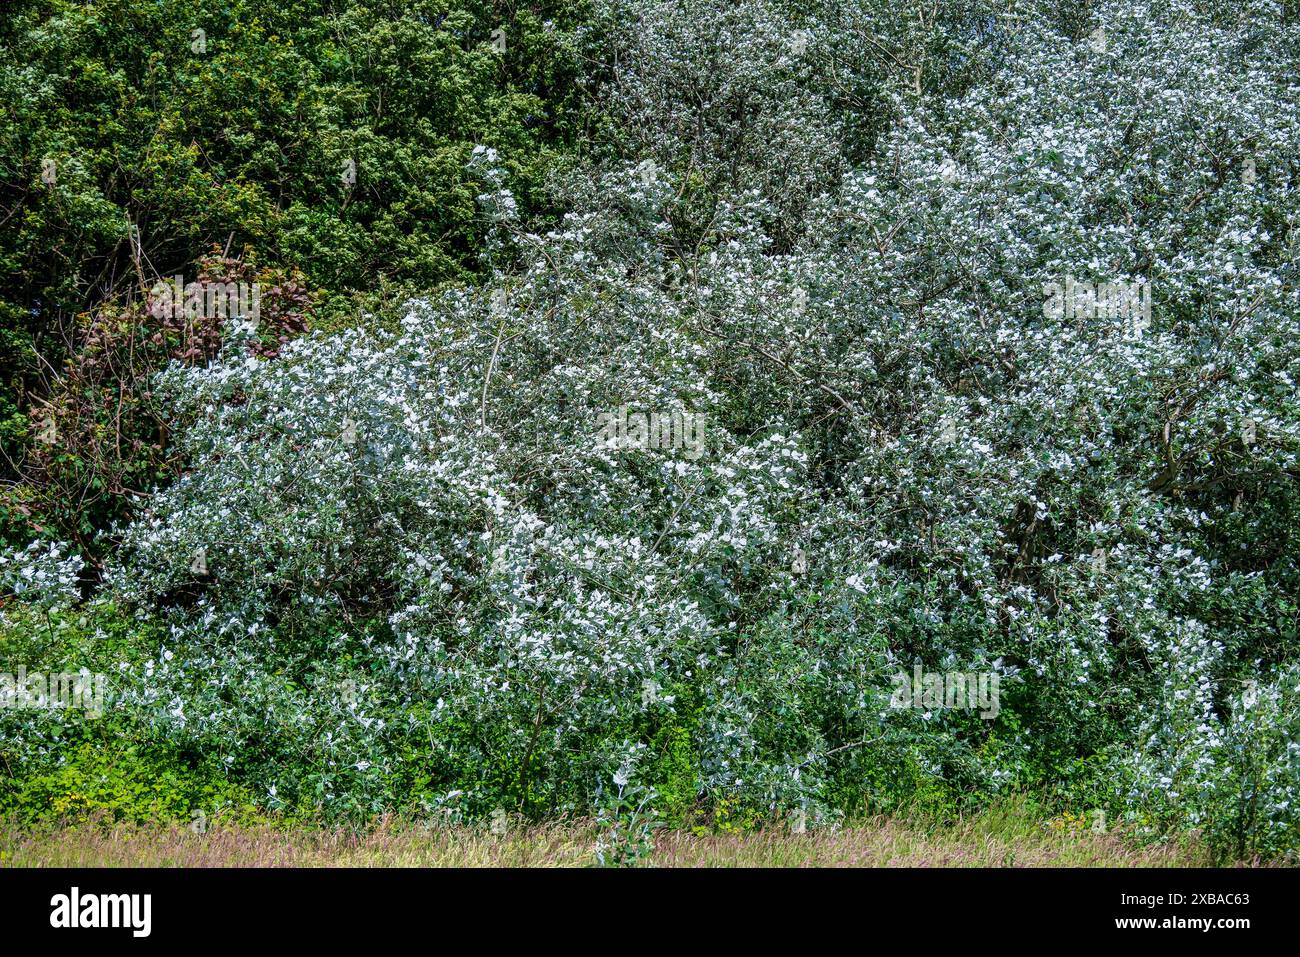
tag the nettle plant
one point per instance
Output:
(404, 565)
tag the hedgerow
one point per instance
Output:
(408, 566)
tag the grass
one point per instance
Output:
(996, 838)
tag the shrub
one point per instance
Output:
(412, 557)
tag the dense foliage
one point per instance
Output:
(330, 138)
(404, 567)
